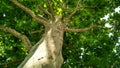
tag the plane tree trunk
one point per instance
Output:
(47, 53)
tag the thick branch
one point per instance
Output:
(51, 10)
(30, 12)
(25, 40)
(82, 29)
(72, 14)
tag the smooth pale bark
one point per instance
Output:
(47, 53)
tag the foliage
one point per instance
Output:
(94, 48)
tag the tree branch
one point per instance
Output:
(25, 40)
(65, 4)
(45, 11)
(72, 14)
(30, 12)
(51, 10)
(82, 29)
(37, 31)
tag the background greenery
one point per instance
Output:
(91, 49)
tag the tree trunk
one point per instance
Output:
(47, 53)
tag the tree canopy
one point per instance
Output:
(95, 48)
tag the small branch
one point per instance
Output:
(45, 11)
(24, 38)
(81, 30)
(51, 10)
(65, 4)
(30, 12)
(37, 31)
(72, 14)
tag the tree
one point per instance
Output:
(47, 53)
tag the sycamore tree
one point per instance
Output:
(48, 30)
